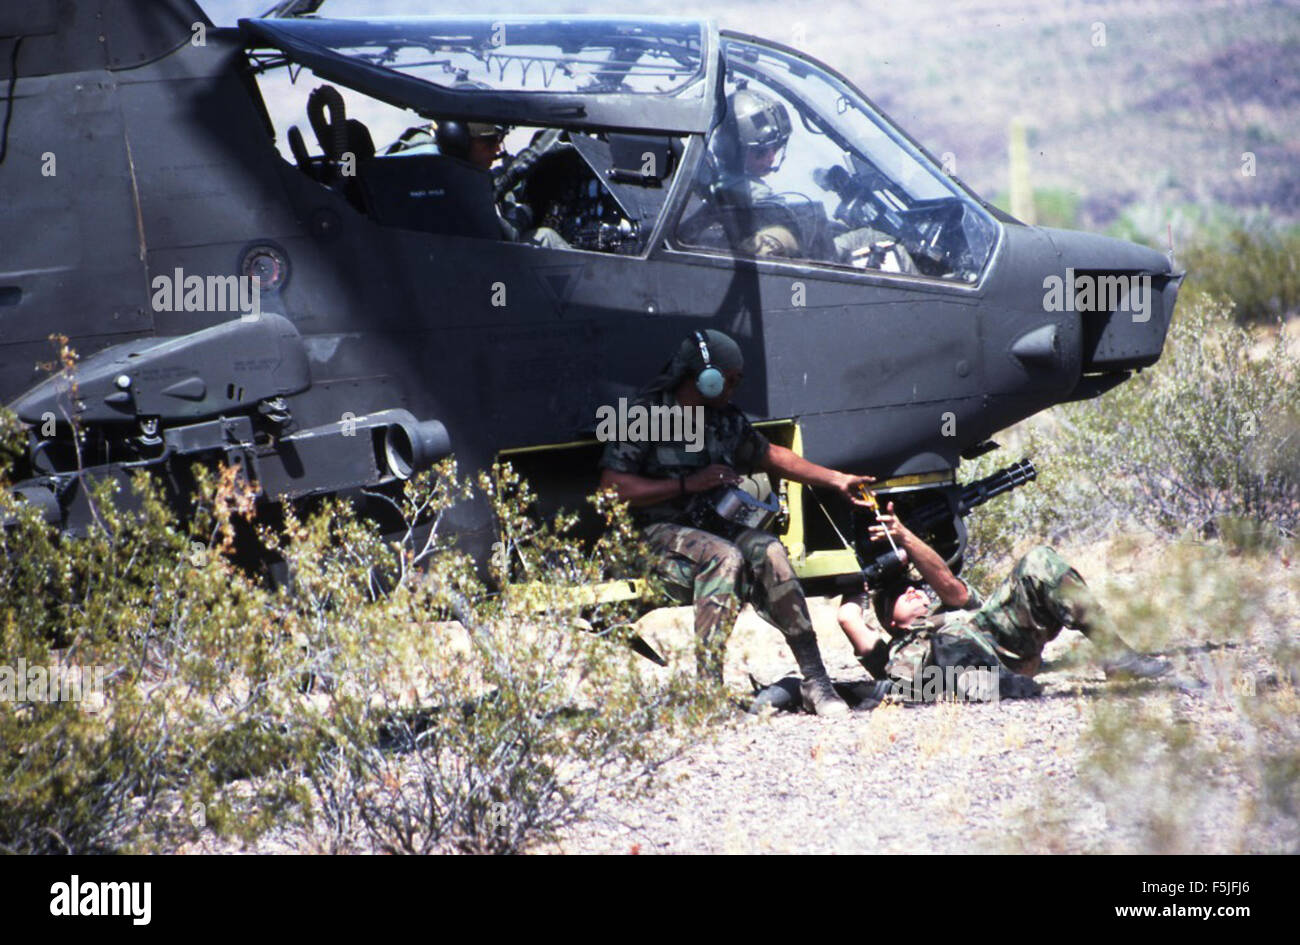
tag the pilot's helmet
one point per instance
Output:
(754, 121)
(479, 129)
(453, 137)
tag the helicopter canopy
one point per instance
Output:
(648, 74)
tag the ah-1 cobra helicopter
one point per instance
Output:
(395, 322)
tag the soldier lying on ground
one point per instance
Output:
(693, 562)
(1042, 596)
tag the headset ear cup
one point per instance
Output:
(710, 382)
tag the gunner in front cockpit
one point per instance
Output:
(749, 145)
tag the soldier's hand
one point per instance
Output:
(854, 488)
(888, 520)
(710, 477)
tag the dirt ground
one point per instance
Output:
(1197, 762)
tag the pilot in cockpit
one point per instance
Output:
(750, 145)
(480, 145)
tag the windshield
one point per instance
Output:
(802, 167)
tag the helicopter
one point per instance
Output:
(333, 321)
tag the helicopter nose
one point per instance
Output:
(1123, 293)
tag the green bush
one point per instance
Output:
(343, 710)
(1256, 269)
(1207, 440)
(194, 683)
(1053, 206)
(521, 722)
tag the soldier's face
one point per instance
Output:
(911, 605)
(730, 381)
(483, 151)
(760, 161)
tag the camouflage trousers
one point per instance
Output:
(1042, 595)
(717, 576)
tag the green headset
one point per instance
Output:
(709, 381)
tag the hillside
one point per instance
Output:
(1138, 114)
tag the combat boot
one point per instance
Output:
(1118, 659)
(819, 696)
(1133, 665)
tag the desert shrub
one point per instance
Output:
(1207, 440)
(521, 722)
(1211, 431)
(1255, 268)
(192, 691)
(345, 700)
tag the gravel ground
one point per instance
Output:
(1191, 773)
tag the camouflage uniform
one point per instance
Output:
(770, 228)
(1010, 629)
(691, 565)
(728, 438)
(758, 224)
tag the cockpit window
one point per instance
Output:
(802, 167)
(521, 54)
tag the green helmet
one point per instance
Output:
(753, 120)
(759, 121)
(478, 129)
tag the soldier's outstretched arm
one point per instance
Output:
(790, 465)
(642, 490)
(853, 622)
(933, 569)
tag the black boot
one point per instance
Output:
(1118, 659)
(868, 694)
(1133, 665)
(819, 696)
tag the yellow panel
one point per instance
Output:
(793, 539)
(920, 479)
(828, 564)
(533, 595)
(572, 444)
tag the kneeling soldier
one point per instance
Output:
(694, 561)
